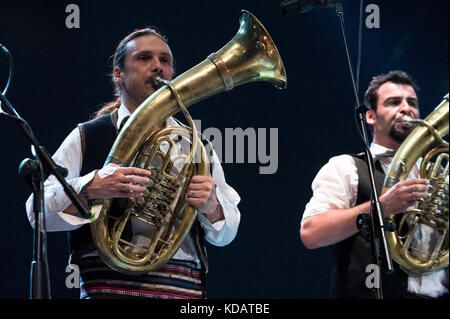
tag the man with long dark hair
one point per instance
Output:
(139, 58)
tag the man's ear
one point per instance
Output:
(370, 117)
(117, 75)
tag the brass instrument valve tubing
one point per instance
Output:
(140, 201)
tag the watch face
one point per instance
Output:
(363, 225)
(359, 221)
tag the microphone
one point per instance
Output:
(27, 169)
(292, 7)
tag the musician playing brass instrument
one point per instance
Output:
(139, 58)
(341, 195)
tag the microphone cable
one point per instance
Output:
(8, 84)
(11, 68)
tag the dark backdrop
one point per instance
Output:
(61, 77)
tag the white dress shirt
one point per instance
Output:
(336, 186)
(69, 155)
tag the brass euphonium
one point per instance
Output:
(250, 56)
(425, 142)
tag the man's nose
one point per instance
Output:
(156, 66)
(405, 107)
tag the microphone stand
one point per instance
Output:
(30, 170)
(376, 211)
(35, 172)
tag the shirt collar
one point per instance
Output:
(380, 151)
(122, 113)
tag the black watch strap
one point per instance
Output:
(84, 192)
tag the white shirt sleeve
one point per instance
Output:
(224, 231)
(55, 199)
(334, 187)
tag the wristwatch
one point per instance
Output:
(84, 192)
(363, 226)
(361, 221)
(90, 201)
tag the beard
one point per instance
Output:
(399, 135)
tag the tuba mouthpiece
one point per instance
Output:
(408, 121)
(157, 81)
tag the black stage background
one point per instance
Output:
(61, 77)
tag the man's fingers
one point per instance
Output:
(411, 186)
(114, 171)
(421, 189)
(197, 179)
(417, 191)
(137, 188)
(197, 194)
(129, 191)
(201, 183)
(134, 179)
(200, 187)
(415, 181)
(419, 195)
(196, 202)
(128, 188)
(134, 171)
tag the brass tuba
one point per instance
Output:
(250, 56)
(425, 142)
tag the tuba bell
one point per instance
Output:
(250, 56)
(425, 142)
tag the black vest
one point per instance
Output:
(353, 254)
(97, 138)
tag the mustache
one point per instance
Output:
(155, 80)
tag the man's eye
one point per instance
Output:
(395, 102)
(164, 60)
(412, 104)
